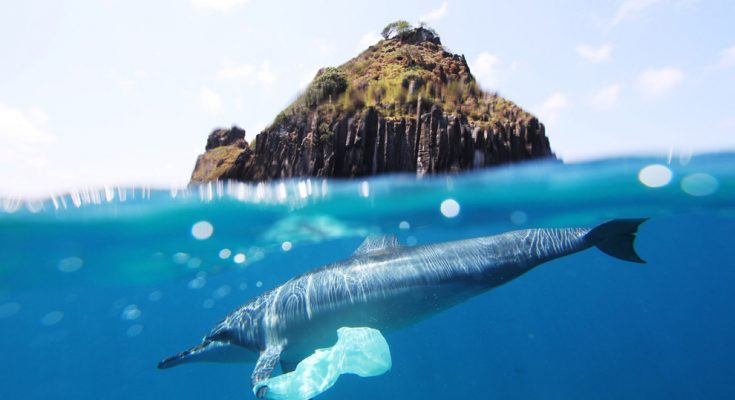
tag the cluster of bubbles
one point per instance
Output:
(291, 192)
(203, 230)
(131, 313)
(696, 184)
(77, 198)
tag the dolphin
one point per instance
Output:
(386, 286)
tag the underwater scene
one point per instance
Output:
(98, 286)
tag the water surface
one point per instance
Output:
(96, 286)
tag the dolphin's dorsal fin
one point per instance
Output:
(377, 245)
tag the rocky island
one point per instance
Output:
(405, 104)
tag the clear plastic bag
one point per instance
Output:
(360, 351)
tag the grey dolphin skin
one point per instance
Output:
(387, 286)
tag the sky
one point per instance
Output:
(125, 92)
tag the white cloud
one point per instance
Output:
(140, 73)
(595, 54)
(728, 123)
(210, 101)
(631, 9)
(266, 75)
(23, 127)
(485, 68)
(247, 72)
(656, 82)
(368, 40)
(551, 107)
(606, 98)
(727, 58)
(231, 71)
(239, 104)
(24, 142)
(687, 5)
(129, 80)
(434, 15)
(218, 5)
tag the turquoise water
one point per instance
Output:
(97, 286)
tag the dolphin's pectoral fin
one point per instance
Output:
(287, 366)
(264, 367)
(377, 245)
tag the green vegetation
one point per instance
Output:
(397, 28)
(216, 163)
(324, 132)
(392, 76)
(328, 84)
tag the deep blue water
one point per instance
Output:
(96, 288)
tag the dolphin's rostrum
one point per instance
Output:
(386, 286)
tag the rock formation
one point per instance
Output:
(404, 105)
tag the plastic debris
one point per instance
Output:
(360, 351)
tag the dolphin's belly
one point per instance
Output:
(385, 294)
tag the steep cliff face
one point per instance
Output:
(403, 105)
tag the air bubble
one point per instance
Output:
(194, 263)
(9, 309)
(155, 295)
(202, 230)
(70, 264)
(699, 184)
(52, 318)
(197, 283)
(180, 258)
(222, 292)
(130, 312)
(518, 217)
(655, 175)
(134, 330)
(449, 208)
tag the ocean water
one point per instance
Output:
(97, 286)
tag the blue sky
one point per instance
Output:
(113, 92)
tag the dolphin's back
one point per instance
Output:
(389, 289)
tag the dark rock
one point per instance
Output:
(225, 137)
(419, 35)
(369, 144)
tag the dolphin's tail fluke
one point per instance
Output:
(616, 238)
